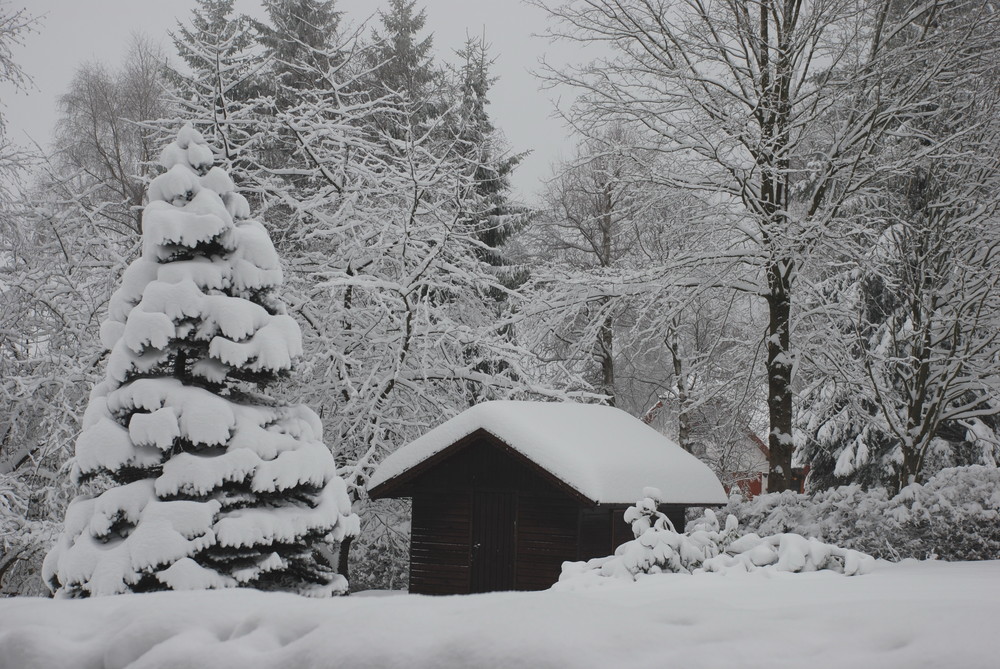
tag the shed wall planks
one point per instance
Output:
(439, 544)
(485, 520)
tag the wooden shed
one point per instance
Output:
(505, 492)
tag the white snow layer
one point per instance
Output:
(901, 616)
(602, 452)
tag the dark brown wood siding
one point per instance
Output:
(439, 544)
(675, 512)
(485, 519)
(547, 534)
(595, 533)
(494, 526)
(524, 526)
(620, 530)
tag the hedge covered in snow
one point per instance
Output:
(955, 515)
(707, 547)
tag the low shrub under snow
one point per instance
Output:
(955, 515)
(708, 547)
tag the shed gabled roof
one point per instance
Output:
(601, 452)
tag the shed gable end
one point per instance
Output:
(477, 461)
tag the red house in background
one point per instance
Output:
(753, 483)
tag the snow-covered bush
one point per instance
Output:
(23, 540)
(847, 516)
(193, 479)
(788, 552)
(707, 547)
(953, 516)
(657, 546)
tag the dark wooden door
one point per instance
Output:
(493, 532)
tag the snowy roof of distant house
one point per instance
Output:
(601, 452)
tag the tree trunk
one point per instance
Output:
(773, 204)
(344, 558)
(684, 426)
(910, 468)
(683, 415)
(606, 344)
(779, 374)
(607, 335)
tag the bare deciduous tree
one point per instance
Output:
(102, 149)
(775, 107)
(673, 339)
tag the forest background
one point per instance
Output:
(775, 240)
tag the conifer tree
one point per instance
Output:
(479, 145)
(403, 66)
(298, 41)
(192, 478)
(223, 76)
(492, 216)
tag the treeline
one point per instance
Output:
(385, 186)
(780, 220)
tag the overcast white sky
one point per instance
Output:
(75, 31)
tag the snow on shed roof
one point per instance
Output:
(603, 453)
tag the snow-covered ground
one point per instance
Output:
(913, 614)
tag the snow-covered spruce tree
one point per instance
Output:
(215, 91)
(193, 480)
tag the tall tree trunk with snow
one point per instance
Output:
(606, 337)
(191, 477)
(779, 378)
(683, 395)
(775, 63)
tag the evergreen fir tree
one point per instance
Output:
(301, 47)
(478, 144)
(223, 77)
(403, 67)
(491, 216)
(298, 42)
(192, 478)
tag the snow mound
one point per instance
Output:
(902, 616)
(706, 547)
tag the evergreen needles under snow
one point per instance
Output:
(191, 479)
(706, 547)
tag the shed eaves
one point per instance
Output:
(603, 453)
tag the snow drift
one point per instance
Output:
(901, 616)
